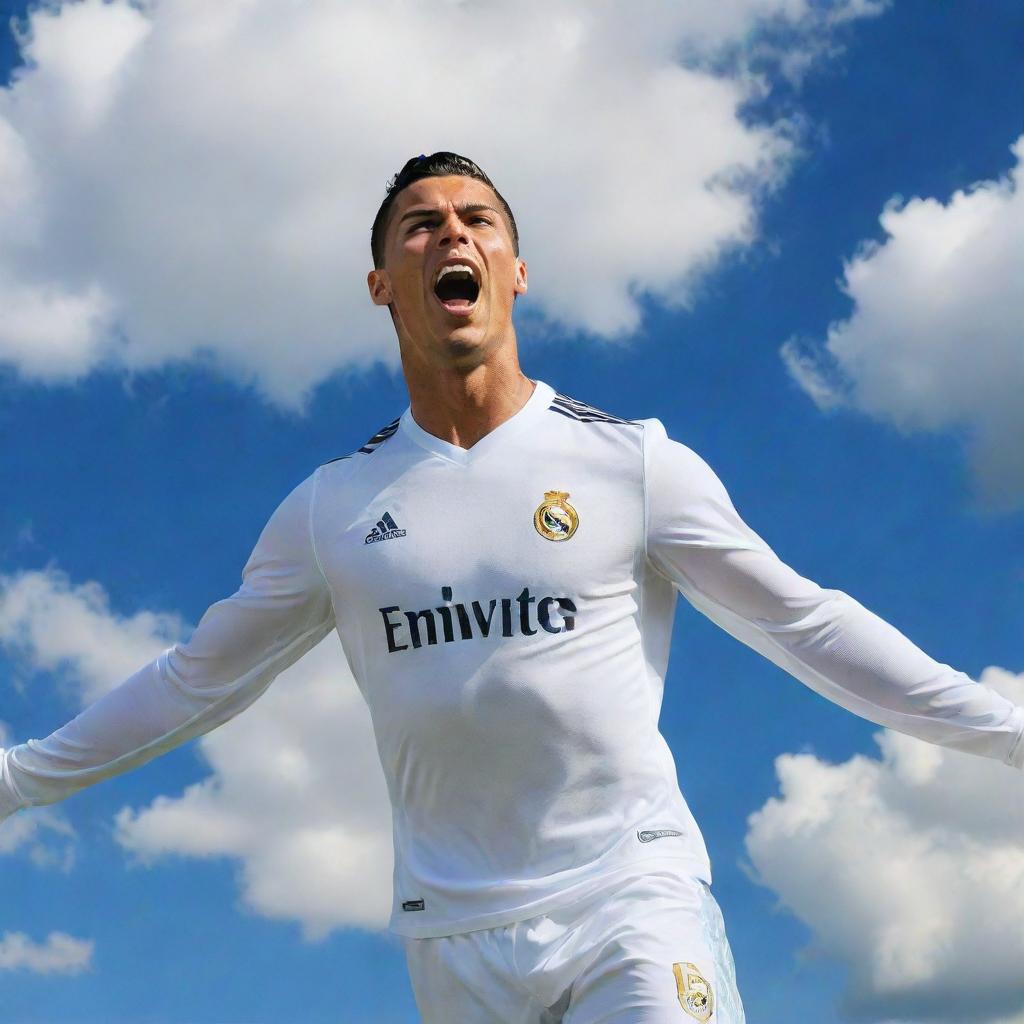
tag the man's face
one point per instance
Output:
(449, 317)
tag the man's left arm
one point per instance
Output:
(826, 639)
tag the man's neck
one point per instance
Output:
(461, 407)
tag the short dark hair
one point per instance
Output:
(437, 165)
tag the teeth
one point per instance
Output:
(462, 267)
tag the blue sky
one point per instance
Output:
(153, 478)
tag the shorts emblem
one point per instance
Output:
(694, 991)
(555, 518)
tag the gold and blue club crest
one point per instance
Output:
(555, 518)
(694, 990)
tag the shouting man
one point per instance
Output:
(501, 563)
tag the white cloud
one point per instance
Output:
(60, 954)
(49, 839)
(194, 180)
(296, 793)
(53, 625)
(297, 796)
(908, 870)
(934, 341)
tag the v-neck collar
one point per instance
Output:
(535, 404)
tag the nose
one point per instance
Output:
(452, 231)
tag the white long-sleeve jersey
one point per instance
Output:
(506, 611)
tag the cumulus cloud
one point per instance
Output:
(49, 839)
(48, 624)
(295, 793)
(46, 837)
(186, 180)
(908, 870)
(59, 954)
(934, 342)
(54, 625)
(297, 796)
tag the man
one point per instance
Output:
(501, 563)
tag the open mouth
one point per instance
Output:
(457, 289)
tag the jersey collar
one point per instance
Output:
(535, 405)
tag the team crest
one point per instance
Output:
(694, 991)
(555, 518)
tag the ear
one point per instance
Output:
(379, 284)
(520, 285)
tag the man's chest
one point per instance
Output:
(499, 543)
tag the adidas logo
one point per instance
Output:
(386, 529)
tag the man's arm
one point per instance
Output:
(282, 609)
(825, 638)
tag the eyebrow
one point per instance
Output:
(461, 209)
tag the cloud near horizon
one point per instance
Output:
(908, 870)
(195, 181)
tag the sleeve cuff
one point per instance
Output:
(9, 801)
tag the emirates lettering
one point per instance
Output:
(524, 615)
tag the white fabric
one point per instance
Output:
(607, 959)
(514, 682)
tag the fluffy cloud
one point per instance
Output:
(909, 870)
(57, 626)
(60, 954)
(295, 793)
(32, 831)
(47, 837)
(49, 624)
(934, 341)
(186, 180)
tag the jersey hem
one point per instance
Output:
(10, 799)
(582, 890)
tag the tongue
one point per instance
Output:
(456, 304)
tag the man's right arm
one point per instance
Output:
(282, 609)
(823, 637)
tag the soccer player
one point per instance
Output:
(501, 563)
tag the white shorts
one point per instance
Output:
(651, 950)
